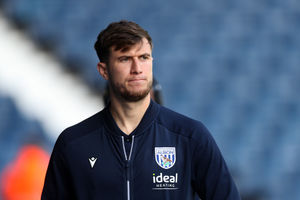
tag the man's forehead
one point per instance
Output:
(142, 45)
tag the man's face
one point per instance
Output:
(130, 72)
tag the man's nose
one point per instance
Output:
(136, 66)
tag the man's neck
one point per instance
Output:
(128, 115)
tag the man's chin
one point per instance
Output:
(135, 96)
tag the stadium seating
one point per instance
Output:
(16, 130)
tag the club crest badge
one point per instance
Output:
(165, 157)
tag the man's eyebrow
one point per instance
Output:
(143, 54)
(123, 56)
(146, 54)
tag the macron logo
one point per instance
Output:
(92, 161)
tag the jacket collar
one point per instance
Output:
(149, 116)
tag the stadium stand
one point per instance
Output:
(18, 132)
(232, 64)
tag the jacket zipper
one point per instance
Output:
(127, 164)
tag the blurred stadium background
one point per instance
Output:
(234, 65)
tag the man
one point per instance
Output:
(135, 148)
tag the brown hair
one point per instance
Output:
(120, 35)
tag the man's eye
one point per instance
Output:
(144, 57)
(123, 59)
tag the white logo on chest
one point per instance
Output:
(92, 161)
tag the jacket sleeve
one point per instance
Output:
(58, 184)
(212, 179)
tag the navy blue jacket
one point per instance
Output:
(168, 157)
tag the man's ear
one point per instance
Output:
(102, 69)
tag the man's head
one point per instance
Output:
(125, 53)
(119, 35)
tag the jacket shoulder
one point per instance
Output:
(83, 128)
(181, 124)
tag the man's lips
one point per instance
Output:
(136, 80)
